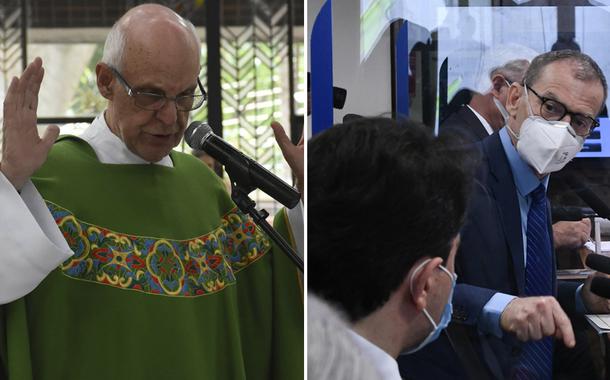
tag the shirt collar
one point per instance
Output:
(110, 149)
(524, 177)
(482, 120)
(381, 360)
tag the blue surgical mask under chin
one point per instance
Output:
(445, 317)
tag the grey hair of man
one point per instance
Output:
(584, 67)
(115, 41)
(512, 71)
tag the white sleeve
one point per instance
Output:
(295, 222)
(31, 245)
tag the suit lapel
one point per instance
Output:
(503, 188)
(473, 123)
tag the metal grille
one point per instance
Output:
(103, 13)
(11, 46)
(255, 91)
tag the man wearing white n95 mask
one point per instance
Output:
(383, 233)
(507, 296)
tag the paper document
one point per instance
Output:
(601, 322)
(605, 246)
(573, 274)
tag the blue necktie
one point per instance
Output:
(536, 361)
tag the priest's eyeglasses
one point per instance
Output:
(552, 110)
(154, 102)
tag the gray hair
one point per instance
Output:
(332, 353)
(585, 68)
(115, 41)
(513, 70)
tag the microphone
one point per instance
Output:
(571, 213)
(597, 262)
(248, 173)
(601, 286)
(589, 197)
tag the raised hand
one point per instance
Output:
(293, 154)
(571, 235)
(533, 318)
(23, 151)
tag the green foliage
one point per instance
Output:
(87, 100)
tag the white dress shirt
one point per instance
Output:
(386, 366)
(482, 120)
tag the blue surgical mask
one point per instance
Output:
(445, 317)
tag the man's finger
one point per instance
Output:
(547, 322)
(563, 326)
(32, 95)
(24, 82)
(280, 135)
(534, 330)
(49, 136)
(10, 99)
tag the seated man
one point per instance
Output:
(486, 113)
(385, 203)
(506, 302)
(124, 259)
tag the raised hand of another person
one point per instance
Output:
(293, 154)
(23, 150)
(533, 318)
(571, 235)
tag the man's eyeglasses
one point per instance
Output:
(552, 110)
(153, 102)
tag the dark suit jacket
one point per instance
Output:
(464, 123)
(490, 260)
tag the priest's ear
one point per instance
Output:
(105, 79)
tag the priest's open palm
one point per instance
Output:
(23, 150)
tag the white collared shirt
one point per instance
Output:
(482, 120)
(386, 366)
(110, 149)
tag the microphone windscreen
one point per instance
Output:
(600, 263)
(195, 133)
(601, 286)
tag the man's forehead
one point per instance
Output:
(558, 80)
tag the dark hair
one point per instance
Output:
(381, 195)
(585, 68)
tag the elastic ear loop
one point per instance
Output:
(419, 267)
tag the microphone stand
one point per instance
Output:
(240, 188)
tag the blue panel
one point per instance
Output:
(322, 70)
(402, 71)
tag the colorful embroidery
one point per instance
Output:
(182, 268)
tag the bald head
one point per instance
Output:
(149, 30)
(151, 57)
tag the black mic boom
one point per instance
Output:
(601, 286)
(589, 197)
(597, 262)
(248, 172)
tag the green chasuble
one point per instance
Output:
(169, 280)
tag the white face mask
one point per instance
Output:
(502, 109)
(501, 106)
(546, 145)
